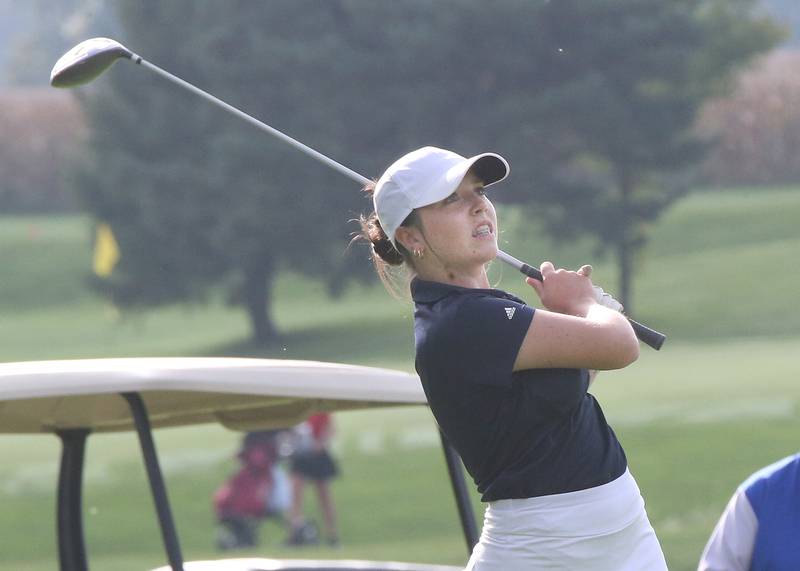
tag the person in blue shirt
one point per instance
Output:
(760, 528)
(508, 383)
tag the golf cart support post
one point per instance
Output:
(166, 381)
(71, 542)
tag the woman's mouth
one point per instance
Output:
(482, 231)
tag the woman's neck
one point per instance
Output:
(476, 279)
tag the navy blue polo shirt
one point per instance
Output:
(520, 434)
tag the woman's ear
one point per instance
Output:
(410, 238)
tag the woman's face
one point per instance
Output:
(461, 231)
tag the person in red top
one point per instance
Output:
(312, 461)
(245, 498)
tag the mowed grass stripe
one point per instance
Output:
(717, 293)
(726, 219)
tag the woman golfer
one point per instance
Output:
(508, 383)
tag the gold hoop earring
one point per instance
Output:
(418, 253)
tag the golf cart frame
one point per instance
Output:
(242, 394)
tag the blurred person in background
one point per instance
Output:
(258, 490)
(311, 461)
(508, 383)
(760, 527)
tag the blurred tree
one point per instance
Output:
(588, 100)
(197, 199)
(618, 87)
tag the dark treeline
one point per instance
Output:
(592, 102)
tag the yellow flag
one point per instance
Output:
(106, 251)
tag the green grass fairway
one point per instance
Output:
(719, 401)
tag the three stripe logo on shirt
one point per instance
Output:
(510, 311)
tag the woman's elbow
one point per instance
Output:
(627, 349)
(631, 353)
(622, 350)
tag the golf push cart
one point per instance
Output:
(74, 399)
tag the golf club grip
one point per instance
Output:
(646, 335)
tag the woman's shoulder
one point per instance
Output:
(491, 306)
(478, 313)
(467, 306)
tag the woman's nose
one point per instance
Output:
(479, 206)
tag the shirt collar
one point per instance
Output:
(429, 292)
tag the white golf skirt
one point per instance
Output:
(599, 529)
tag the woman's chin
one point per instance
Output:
(487, 251)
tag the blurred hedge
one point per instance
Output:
(40, 130)
(757, 126)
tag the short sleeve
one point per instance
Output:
(485, 338)
(730, 547)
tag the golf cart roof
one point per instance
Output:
(242, 394)
(74, 398)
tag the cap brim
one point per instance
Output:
(489, 167)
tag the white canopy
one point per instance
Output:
(242, 394)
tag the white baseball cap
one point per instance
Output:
(425, 176)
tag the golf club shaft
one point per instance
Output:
(253, 121)
(648, 336)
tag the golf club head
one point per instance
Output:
(86, 61)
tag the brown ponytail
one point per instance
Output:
(386, 257)
(381, 245)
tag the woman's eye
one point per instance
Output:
(481, 191)
(450, 199)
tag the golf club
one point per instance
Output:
(92, 57)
